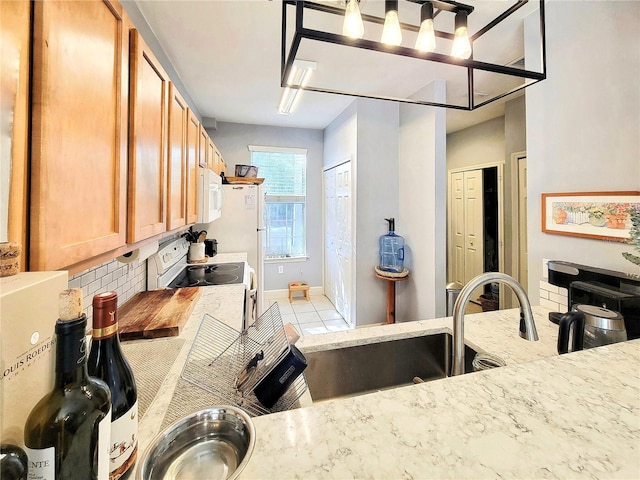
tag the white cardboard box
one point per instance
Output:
(28, 314)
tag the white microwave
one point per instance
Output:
(210, 195)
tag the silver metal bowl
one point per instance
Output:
(215, 443)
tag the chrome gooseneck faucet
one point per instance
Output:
(527, 325)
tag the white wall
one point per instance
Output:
(583, 123)
(367, 131)
(515, 140)
(377, 199)
(232, 140)
(482, 143)
(422, 196)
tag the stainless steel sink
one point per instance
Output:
(350, 371)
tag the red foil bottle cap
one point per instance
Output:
(105, 314)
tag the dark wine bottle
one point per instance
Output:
(66, 435)
(107, 362)
(13, 462)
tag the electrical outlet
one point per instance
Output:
(545, 269)
(280, 269)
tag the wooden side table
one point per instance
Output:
(391, 279)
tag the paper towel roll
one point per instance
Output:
(141, 254)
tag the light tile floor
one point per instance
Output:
(318, 315)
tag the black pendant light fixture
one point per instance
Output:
(496, 47)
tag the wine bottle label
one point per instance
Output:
(124, 442)
(110, 331)
(42, 463)
(104, 432)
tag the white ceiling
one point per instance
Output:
(227, 54)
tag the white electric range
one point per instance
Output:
(169, 268)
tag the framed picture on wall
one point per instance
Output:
(598, 215)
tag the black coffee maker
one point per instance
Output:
(599, 287)
(210, 247)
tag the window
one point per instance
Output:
(285, 179)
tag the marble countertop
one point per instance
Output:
(575, 416)
(541, 416)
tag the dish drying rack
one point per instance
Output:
(220, 353)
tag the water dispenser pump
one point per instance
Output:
(391, 250)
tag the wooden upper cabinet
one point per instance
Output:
(211, 155)
(203, 160)
(15, 38)
(193, 153)
(217, 162)
(79, 131)
(177, 151)
(149, 84)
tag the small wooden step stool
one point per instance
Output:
(297, 286)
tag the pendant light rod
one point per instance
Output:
(447, 6)
(426, 11)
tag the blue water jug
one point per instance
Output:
(391, 250)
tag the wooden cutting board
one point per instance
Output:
(155, 314)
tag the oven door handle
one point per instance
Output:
(253, 279)
(251, 308)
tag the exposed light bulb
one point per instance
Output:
(391, 33)
(426, 41)
(461, 47)
(353, 26)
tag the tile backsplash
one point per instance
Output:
(553, 297)
(126, 279)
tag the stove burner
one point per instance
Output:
(215, 269)
(213, 274)
(222, 279)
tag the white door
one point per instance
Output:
(473, 225)
(467, 229)
(338, 238)
(522, 223)
(343, 244)
(457, 228)
(330, 254)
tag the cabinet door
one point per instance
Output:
(217, 161)
(211, 155)
(193, 152)
(79, 132)
(177, 173)
(147, 143)
(204, 143)
(15, 36)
